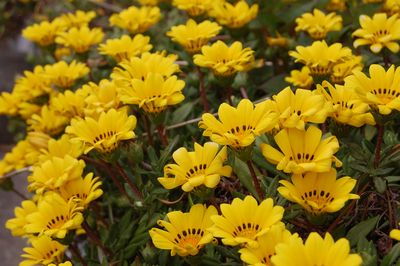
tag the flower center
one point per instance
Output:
(302, 157)
(243, 130)
(50, 253)
(196, 170)
(320, 70)
(189, 237)
(56, 221)
(248, 230)
(320, 197)
(345, 105)
(380, 33)
(386, 95)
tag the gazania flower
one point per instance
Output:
(342, 70)
(148, 2)
(336, 5)
(9, 103)
(233, 15)
(43, 33)
(392, 7)
(243, 221)
(302, 151)
(78, 19)
(315, 251)
(154, 94)
(80, 39)
(185, 233)
(82, 190)
(54, 173)
(378, 32)
(319, 192)
(193, 36)
(66, 263)
(204, 165)
(239, 126)
(68, 104)
(297, 109)
(225, 60)
(105, 133)
(319, 57)
(54, 217)
(64, 75)
(278, 40)
(136, 20)
(193, 7)
(266, 249)
(317, 24)
(60, 148)
(48, 121)
(300, 78)
(395, 234)
(44, 251)
(381, 90)
(16, 225)
(32, 84)
(125, 47)
(348, 108)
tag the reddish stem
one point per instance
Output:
(378, 146)
(255, 180)
(131, 185)
(162, 133)
(202, 90)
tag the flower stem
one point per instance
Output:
(378, 146)
(95, 239)
(162, 133)
(148, 130)
(202, 90)
(131, 185)
(75, 251)
(255, 180)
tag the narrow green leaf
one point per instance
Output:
(361, 230)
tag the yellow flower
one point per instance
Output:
(243, 221)
(32, 84)
(395, 234)
(26, 110)
(43, 33)
(48, 122)
(239, 126)
(297, 109)
(193, 7)
(185, 233)
(262, 255)
(300, 78)
(16, 225)
(16, 158)
(80, 39)
(68, 104)
(336, 5)
(82, 190)
(319, 192)
(342, 70)
(193, 36)
(278, 40)
(54, 173)
(348, 108)
(302, 151)
(204, 165)
(78, 19)
(392, 7)
(317, 24)
(381, 91)
(225, 60)
(153, 94)
(233, 15)
(315, 251)
(64, 75)
(9, 103)
(44, 251)
(148, 2)
(319, 57)
(66, 263)
(139, 67)
(38, 141)
(60, 148)
(54, 217)
(378, 32)
(136, 20)
(105, 133)
(125, 47)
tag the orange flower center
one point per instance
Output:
(248, 230)
(385, 95)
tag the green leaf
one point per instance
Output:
(181, 113)
(392, 256)
(368, 252)
(361, 230)
(380, 184)
(243, 173)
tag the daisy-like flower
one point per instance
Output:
(302, 151)
(297, 109)
(267, 243)
(317, 24)
(125, 47)
(193, 36)
(54, 173)
(60, 148)
(381, 90)
(64, 75)
(153, 94)
(16, 225)
(348, 108)
(233, 15)
(105, 133)
(9, 103)
(319, 192)
(48, 121)
(69, 104)
(336, 5)
(342, 70)
(66, 263)
(32, 84)
(185, 233)
(315, 251)
(78, 19)
(148, 2)
(203, 166)
(55, 216)
(278, 40)
(193, 7)
(43, 251)
(239, 126)
(225, 60)
(319, 57)
(43, 33)
(82, 190)
(392, 7)
(378, 32)
(80, 39)
(395, 234)
(300, 78)
(136, 20)
(243, 221)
